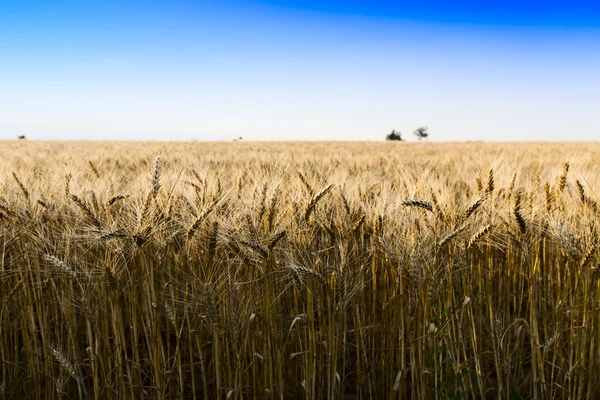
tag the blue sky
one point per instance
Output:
(299, 70)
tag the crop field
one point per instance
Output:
(299, 270)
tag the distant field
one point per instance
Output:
(299, 270)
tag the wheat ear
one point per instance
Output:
(518, 215)
(194, 227)
(490, 183)
(116, 198)
(307, 186)
(344, 200)
(472, 208)
(21, 186)
(94, 170)
(478, 235)
(86, 210)
(419, 204)
(61, 264)
(589, 254)
(314, 200)
(156, 177)
(562, 182)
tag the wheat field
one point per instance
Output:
(299, 270)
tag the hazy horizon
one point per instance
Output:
(299, 70)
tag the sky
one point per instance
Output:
(299, 70)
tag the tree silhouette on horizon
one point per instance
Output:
(394, 136)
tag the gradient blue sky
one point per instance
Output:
(299, 70)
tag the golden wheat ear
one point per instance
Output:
(116, 198)
(314, 200)
(419, 204)
(156, 177)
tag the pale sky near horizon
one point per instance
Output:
(299, 70)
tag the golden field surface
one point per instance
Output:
(299, 270)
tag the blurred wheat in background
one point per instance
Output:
(308, 271)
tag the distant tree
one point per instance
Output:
(394, 136)
(21, 137)
(421, 133)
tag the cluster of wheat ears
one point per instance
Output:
(371, 271)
